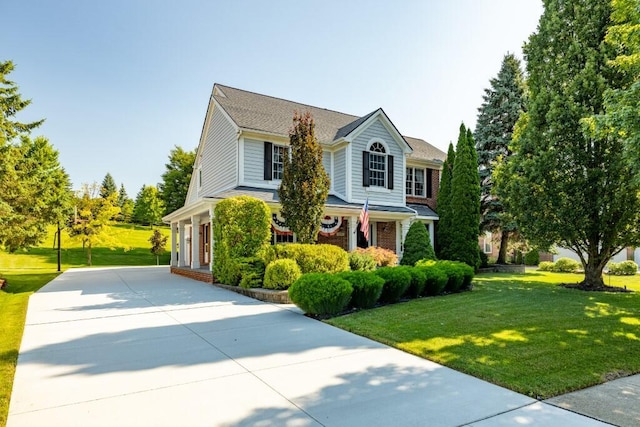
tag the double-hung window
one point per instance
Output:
(415, 182)
(377, 167)
(278, 161)
(274, 161)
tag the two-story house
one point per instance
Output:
(244, 139)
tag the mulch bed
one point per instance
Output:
(604, 288)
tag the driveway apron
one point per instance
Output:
(139, 346)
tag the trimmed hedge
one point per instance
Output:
(322, 258)
(436, 280)
(459, 275)
(321, 293)
(361, 262)
(545, 266)
(396, 283)
(566, 265)
(624, 268)
(367, 287)
(418, 281)
(281, 273)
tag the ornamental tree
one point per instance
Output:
(444, 205)
(158, 244)
(305, 184)
(503, 103)
(567, 182)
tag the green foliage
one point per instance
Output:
(158, 244)
(565, 265)
(108, 186)
(281, 273)
(418, 281)
(126, 205)
(34, 191)
(321, 293)
(383, 257)
(176, 178)
(251, 272)
(445, 224)
(459, 275)
(241, 229)
(502, 105)
(11, 103)
(624, 268)
(484, 259)
(435, 279)
(396, 283)
(570, 183)
(148, 207)
(545, 266)
(305, 184)
(313, 258)
(417, 245)
(532, 257)
(361, 262)
(367, 287)
(464, 207)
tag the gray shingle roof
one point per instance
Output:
(423, 210)
(264, 113)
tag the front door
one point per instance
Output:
(206, 235)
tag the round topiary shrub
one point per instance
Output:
(321, 293)
(417, 245)
(566, 265)
(367, 287)
(361, 262)
(281, 273)
(545, 266)
(624, 268)
(418, 282)
(532, 257)
(456, 274)
(396, 282)
(436, 280)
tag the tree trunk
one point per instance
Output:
(157, 260)
(502, 254)
(89, 254)
(593, 274)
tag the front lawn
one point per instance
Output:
(520, 331)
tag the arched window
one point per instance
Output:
(377, 166)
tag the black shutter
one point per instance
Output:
(365, 168)
(390, 172)
(268, 161)
(429, 187)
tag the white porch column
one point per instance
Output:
(404, 229)
(174, 244)
(432, 234)
(182, 245)
(195, 242)
(353, 233)
(211, 241)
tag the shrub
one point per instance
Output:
(361, 262)
(246, 272)
(311, 258)
(321, 293)
(624, 268)
(459, 275)
(566, 265)
(545, 266)
(383, 257)
(367, 287)
(281, 273)
(435, 280)
(417, 245)
(396, 282)
(418, 282)
(484, 260)
(532, 257)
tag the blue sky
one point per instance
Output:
(121, 82)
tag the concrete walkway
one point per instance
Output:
(138, 347)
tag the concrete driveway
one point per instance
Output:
(139, 346)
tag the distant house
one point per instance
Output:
(243, 142)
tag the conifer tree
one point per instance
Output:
(176, 178)
(502, 105)
(305, 184)
(443, 236)
(465, 202)
(108, 186)
(417, 245)
(568, 183)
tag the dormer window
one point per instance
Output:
(377, 166)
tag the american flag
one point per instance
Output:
(364, 219)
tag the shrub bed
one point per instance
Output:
(359, 261)
(624, 268)
(322, 258)
(383, 257)
(436, 280)
(321, 293)
(565, 265)
(418, 282)
(545, 266)
(396, 283)
(281, 273)
(367, 288)
(459, 275)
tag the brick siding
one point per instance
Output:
(341, 238)
(431, 201)
(386, 232)
(202, 276)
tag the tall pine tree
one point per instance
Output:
(502, 105)
(568, 184)
(305, 184)
(108, 186)
(443, 235)
(465, 202)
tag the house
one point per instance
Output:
(244, 139)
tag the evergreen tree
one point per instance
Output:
(126, 205)
(568, 183)
(443, 236)
(305, 184)
(176, 179)
(148, 207)
(108, 186)
(502, 106)
(417, 245)
(11, 103)
(465, 202)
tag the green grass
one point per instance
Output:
(522, 332)
(28, 271)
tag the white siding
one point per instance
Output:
(358, 191)
(253, 162)
(568, 253)
(218, 162)
(326, 163)
(340, 175)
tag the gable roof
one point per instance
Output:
(262, 113)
